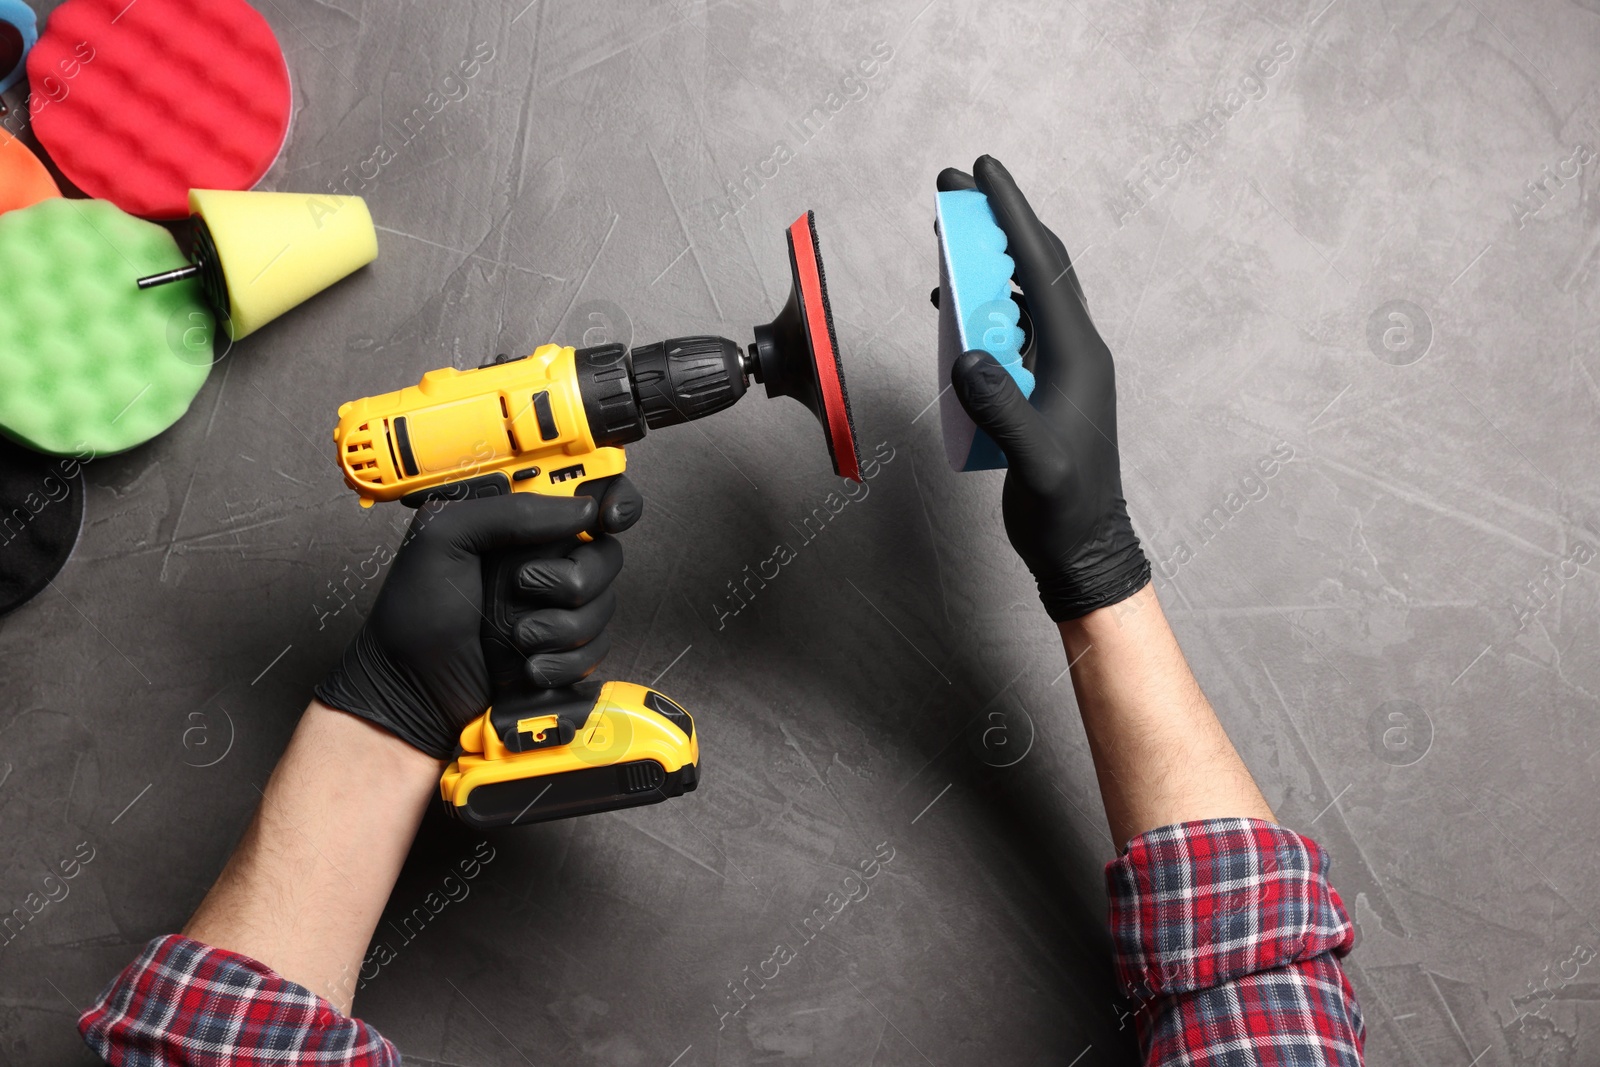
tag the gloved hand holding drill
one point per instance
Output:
(416, 667)
(1063, 505)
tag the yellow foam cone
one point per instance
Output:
(276, 250)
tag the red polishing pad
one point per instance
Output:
(157, 97)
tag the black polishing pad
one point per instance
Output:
(41, 512)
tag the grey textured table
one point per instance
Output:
(1355, 317)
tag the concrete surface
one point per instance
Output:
(1346, 280)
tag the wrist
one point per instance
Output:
(380, 758)
(304, 890)
(1115, 578)
(1109, 626)
(367, 686)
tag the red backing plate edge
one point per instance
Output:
(846, 463)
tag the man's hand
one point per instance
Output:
(1063, 505)
(416, 666)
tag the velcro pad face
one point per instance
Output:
(822, 343)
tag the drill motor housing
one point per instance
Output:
(547, 422)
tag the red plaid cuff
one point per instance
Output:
(1228, 935)
(185, 1004)
(1199, 903)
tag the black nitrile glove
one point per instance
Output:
(416, 666)
(1063, 505)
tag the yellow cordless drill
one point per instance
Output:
(555, 422)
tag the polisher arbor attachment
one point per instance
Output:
(797, 353)
(681, 379)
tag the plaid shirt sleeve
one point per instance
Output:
(1228, 938)
(185, 1004)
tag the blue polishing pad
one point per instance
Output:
(975, 312)
(19, 29)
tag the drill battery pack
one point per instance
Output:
(625, 747)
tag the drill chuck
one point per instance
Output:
(662, 384)
(687, 378)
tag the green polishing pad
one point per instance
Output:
(91, 365)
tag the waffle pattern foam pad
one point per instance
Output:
(41, 514)
(975, 311)
(89, 363)
(178, 95)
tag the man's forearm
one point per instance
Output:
(306, 886)
(1160, 753)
